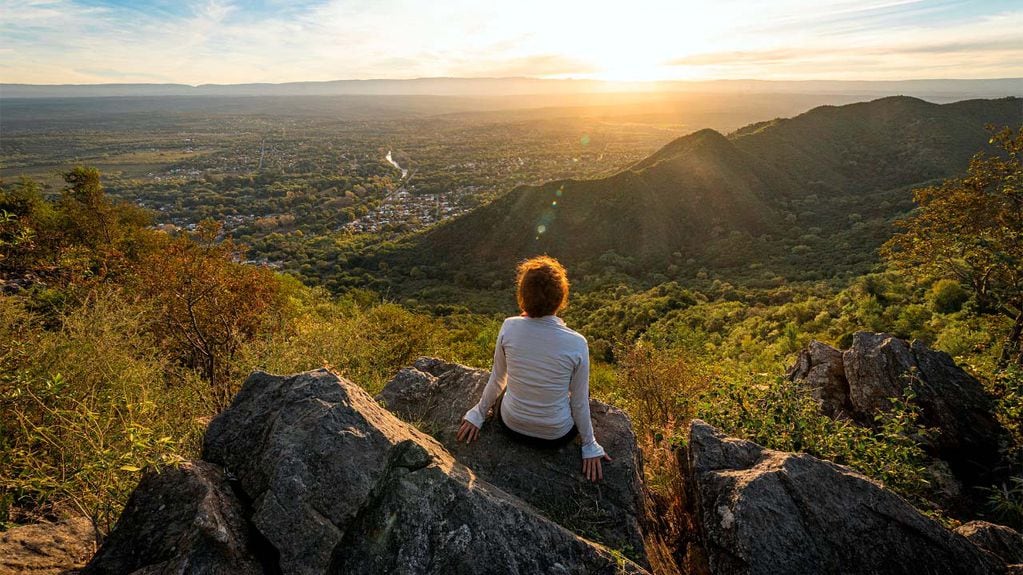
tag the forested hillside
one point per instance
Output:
(806, 198)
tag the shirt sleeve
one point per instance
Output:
(495, 385)
(579, 399)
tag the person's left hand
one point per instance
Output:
(592, 469)
(467, 431)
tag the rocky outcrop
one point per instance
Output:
(181, 520)
(47, 548)
(1004, 542)
(764, 511)
(434, 395)
(821, 367)
(330, 482)
(861, 381)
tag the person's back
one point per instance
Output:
(539, 384)
(541, 354)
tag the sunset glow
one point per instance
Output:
(94, 41)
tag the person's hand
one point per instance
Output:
(468, 432)
(591, 467)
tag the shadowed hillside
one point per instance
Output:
(824, 185)
(705, 180)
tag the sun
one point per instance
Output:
(636, 44)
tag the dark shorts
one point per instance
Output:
(529, 439)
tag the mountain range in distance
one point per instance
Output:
(812, 196)
(937, 89)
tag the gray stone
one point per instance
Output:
(180, 520)
(340, 485)
(878, 367)
(820, 366)
(763, 511)
(1004, 542)
(435, 395)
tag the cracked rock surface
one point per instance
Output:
(859, 382)
(434, 395)
(328, 481)
(771, 512)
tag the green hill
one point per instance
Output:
(809, 197)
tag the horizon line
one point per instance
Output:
(534, 79)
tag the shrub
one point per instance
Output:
(947, 296)
(783, 415)
(87, 407)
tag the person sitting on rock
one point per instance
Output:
(539, 386)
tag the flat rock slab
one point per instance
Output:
(766, 512)
(434, 395)
(47, 548)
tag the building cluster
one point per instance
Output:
(407, 211)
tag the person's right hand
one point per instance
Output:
(592, 469)
(467, 431)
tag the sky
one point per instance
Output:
(226, 42)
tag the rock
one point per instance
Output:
(179, 520)
(340, 485)
(820, 365)
(878, 367)
(47, 548)
(764, 511)
(1004, 542)
(435, 395)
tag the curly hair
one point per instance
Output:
(542, 286)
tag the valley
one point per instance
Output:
(711, 246)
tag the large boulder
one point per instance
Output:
(48, 548)
(179, 520)
(877, 367)
(434, 395)
(1002, 541)
(770, 512)
(338, 484)
(821, 367)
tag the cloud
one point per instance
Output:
(224, 41)
(984, 46)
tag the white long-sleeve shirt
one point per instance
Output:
(546, 369)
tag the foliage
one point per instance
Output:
(1006, 501)
(86, 407)
(207, 304)
(783, 415)
(663, 390)
(971, 228)
(947, 296)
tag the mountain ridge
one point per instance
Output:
(715, 200)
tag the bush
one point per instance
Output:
(783, 415)
(87, 407)
(947, 296)
(663, 390)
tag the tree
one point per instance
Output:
(209, 304)
(971, 228)
(25, 219)
(102, 234)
